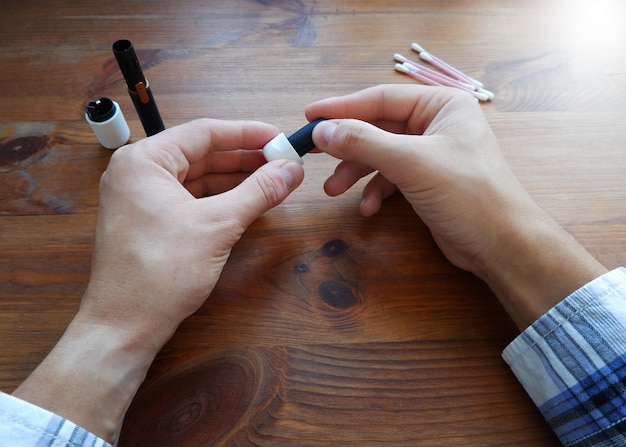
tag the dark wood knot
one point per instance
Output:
(337, 295)
(197, 403)
(19, 149)
(334, 248)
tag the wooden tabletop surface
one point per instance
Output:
(326, 328)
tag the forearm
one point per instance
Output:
(91, 376)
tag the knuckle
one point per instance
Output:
(349, 137)
(270, 189)
(459, 98)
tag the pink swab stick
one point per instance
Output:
(443, 66)
(446, 80)
(402, 69)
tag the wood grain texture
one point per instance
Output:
(326, 328)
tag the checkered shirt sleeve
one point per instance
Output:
(572, 363)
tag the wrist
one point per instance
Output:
(91, 376)
(133, 311)
(534, 263)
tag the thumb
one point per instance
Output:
(265, 188)
(358, 141)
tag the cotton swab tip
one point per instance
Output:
(489, 93)
(426, 56)
(401, 68)
(480, 96)
(400, 58)
(416, 47)
(476, 82)
(410, 67)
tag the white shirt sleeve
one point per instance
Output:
(24, 425)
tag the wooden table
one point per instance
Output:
(326, 328)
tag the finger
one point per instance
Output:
(374, 194)
(262, 190)
(346, 174)
(178, 147)
(357, 141)
(212, 184)
(391, 107)
(245, 161)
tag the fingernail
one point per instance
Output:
(323, 133)
(289, 170)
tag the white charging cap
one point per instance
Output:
(107, 121)
(294, 147)
(279, 148)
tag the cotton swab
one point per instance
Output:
(444, 78)
(418, 74)
(444, 66)
(451, 77)
(449, 69)
(439, 77)
(448, 82)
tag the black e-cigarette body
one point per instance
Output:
(138, 87)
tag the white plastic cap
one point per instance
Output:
(279, 148)
(109, 126)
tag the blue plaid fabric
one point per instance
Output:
(572, 363)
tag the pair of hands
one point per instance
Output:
(173, 205)
(167, 219)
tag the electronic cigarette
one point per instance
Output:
(138, 87)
